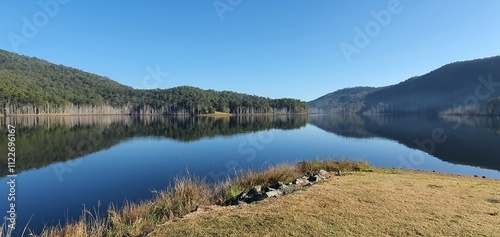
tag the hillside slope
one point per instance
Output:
(468, 87)
(344, 100)
(460, 84)
(25, 80)
(34, 86)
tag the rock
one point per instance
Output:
(278, 185)
(257, 188)
(484, 177)
(298, 181)
(274, 193)
(242, 203)
(339, 173)
(234, 202)
(322, 173)
(254, 198)
(476, 176)
(254, 194)
(287, 189)
(254, 191)
(315, 178)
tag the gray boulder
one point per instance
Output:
(287, 189)
(254, 194)
(322, 173)
(257, 188)
(298, 181)
(273, 193)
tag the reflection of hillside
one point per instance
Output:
(469, 141)
(41, 141)
(346, 125)
(492, 123)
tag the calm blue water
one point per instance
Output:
(67, 163)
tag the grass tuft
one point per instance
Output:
(344, 165)
(245, 180)
(434, 186)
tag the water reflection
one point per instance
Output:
(45, 140)
(468, 140)
(125, 157)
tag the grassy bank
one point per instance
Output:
(186, 195)
(379, 203)
(364, 202)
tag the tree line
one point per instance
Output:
(34, 86)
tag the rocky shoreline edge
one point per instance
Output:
(258, 193)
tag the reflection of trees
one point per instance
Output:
(490, 122)
(471, 143)
(41, 141)
(346, 125)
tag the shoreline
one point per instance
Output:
(385, 202)
(256, 114)
(188, 193)
(191, 197)
(175, 115)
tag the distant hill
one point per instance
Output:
(34, 86)
(344, 100)
(469, 87)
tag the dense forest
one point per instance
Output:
(348, 100)
(34, 86)
(469, 87)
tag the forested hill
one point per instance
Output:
(344, 100)
(468, 87)
(34, 86)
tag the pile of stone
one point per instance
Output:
(258, 193)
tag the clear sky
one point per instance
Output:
(300, 49)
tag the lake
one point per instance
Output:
(66, 163)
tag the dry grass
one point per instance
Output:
(137, 219)
(379, 203)
(281, 173)
(244, 180)
(310, 167)
(90, 224)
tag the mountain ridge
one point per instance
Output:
(464, 87)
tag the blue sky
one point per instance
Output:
(270, 48)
